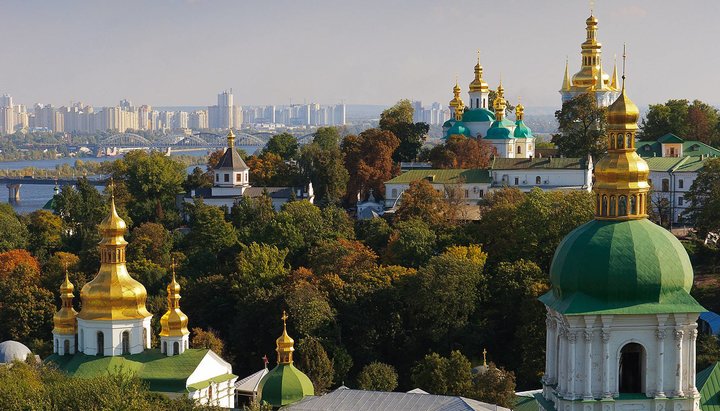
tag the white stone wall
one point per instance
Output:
(112, 335)
(675, 194)
(475, 191)
(549, 178)
(478, 128)
(583, 356)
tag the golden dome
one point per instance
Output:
(174, 322)
(499, 104)
(623, 111)
(519, 112)
(113, 294)
(592, 20)
(478, 84)
(285, 344)
(64, 320)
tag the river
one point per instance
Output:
(34, 196)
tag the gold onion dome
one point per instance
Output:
(499, 104)
(456, 101)
(623, 112)
(113, 294)
(174, 322)
(478, 84)
(285, 344)
(64, 320)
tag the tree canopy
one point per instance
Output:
(581, 126)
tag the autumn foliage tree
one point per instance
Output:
(423, 202)
(461, 152)
(368, 159)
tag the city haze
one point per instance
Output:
(175, 53)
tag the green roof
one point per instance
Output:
(521, 130)
(284, 385)
(692, 148)
(448, 123)
(500, 130)
(621, 267)
(545, 163)
(525, 403)
(478, 115)
(204, 384)
(160, 372)
(444, 176)
(708, 383)
(676, 164)
(458, 128)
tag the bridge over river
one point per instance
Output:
(15, 183)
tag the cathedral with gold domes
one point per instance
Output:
(112, 331)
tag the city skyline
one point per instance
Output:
(278, 52)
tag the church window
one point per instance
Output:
(620, 141)
(665, 184)
(57, 346)
(477, 102)
(125, 343)
(633, 205)
(227, 177)
(164, 347)
(519, 149)
(176, 348)
(629, 143)
(538, 180)
(604, 205)
(632, 357)
(238, 177)
(100, 343)
(66, 347)
(622, 206)
(612, 206)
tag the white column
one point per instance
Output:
(605, 336)
(562, 361)
(553, 353)
(588, 364)
(659, 393)
(679, 363)
(691, 361)
(548, 348)
(572, 338)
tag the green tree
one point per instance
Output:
(207, 339)
(45, 229)
(494, 386)
(198, 179)
(443, 376)
(421, 201)
(398, 119)
(411, 244)
(251, 216)
(375, 233)
(150, 241)
(378, 376)
(26, 310)
(708, 350)
(14, 233)
(210, 237)
(661, 119)
(704, 198)
(322, 162)
(309, 307)
(260, 264)
(313, 360)
(284, 145)
(582, 125)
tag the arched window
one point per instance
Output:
(100, 343)
(629, 143)
(176, 348)
(632, 366)
(604, 206)
(210, 392)
(519, 149)
(145, 333)
(612, 206)
(622, 206)
(620, 141)
(57, 346)
(66, 347)
(633, 205)
(477, 102)
(125, 343)
(538, 180)
(164, 347)
(612, 141)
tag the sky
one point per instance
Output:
(183, 52)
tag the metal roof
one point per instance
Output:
(359, 400)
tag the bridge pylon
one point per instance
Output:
(13, 192)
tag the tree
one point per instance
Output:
(210, 237)
(251, 216)
(368, 159)
(260, 264)
(708, 350)
(704, 198)
(207, 339)
(494, 386)
(661, 119)
(150, 241)
(462, 152)
(313, 360)
(421, 201)
(582, 125)
(198, 179)
(398, 119)
(443, 376)
(375, 233)
(10, 260)
(284, 145)
(14, 233)
(309, 307)
(411, 244)
(322, 163)
(378, 376)
(45, 229)
(26, 310)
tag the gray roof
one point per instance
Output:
(358, 400)
(13, 351)
(249, 384)
(231, 160)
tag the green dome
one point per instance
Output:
(521, 130)
(478, 115)
(448, 123)
(621, 267)
(499, 130)
(458, 128)
(284, 385)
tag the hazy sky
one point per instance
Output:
(183, 52)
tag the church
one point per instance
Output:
(112, 331)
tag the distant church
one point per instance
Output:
(112, 330)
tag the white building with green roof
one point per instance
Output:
(671, 179)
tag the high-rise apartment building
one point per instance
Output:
(181, 120)
(198, 120)
(144, 117)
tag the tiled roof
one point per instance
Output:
(444, 176)
(535, 163)
(231, 160)
(676, 164)
(708, 383)
(358, 400)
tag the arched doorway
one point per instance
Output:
(125, 343)
(176, 348)
(631, 376)
(66, 347)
